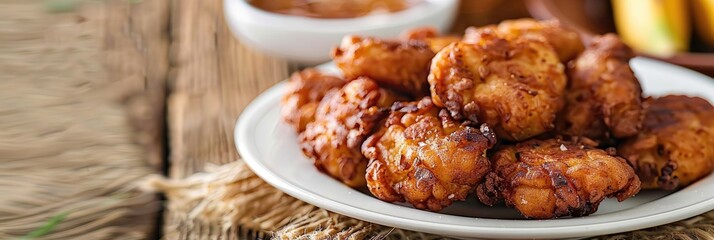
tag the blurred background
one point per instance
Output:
(96, 95)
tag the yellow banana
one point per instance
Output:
(658, 27)
(704, 20)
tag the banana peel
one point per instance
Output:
(657, 27)
(704, 20)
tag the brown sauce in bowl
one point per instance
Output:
(333, 8)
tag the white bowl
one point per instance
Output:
(309, 40)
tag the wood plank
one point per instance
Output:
(66, 145)
(136, 54)
(213, 78)
(136, 45)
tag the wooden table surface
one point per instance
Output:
(82, 92)
(181, 80)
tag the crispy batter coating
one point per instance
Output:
(431, 36)
(344, 118)
(305, 90)
(438, 43)
(567, 43)
(515, 86)
(399, 65)
(674, 147)
(554, 178)
(604, 98)
(424, 157)
(419, 33)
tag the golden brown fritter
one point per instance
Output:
(567, 43)
(674, 147)
(400, 66)
(438, 43)
(554, 178)
(515, 86)
(343, 119)
(604, 98)
(424, 157)
(431, 36)
(305, 89)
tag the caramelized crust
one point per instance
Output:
(424, 157)
(400, 66)
(431, 36)
(604, 98)
(554, 178)
(515, 86)
(344, 118)
(304, 91)
(674, 148)
(567, 43)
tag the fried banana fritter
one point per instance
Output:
(567, 43)
(554, 178)
(515, 86)
(431, 36)
(674, 148)
(399, 65)
(604, 98)
(344, 118)
(305, 90)
(424, 157)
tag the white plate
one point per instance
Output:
(270, 148)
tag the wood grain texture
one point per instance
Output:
(74, 85)
(136, 45)
(213, 78)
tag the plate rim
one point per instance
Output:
(248, 116)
